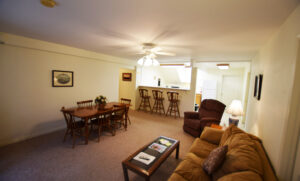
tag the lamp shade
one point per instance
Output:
(235, 108)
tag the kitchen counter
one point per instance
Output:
(156, 87)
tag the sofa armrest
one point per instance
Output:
(191, 115)
(212, 135)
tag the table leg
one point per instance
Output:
(86, 130)
(125, 172)
(177, 151)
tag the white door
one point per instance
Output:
(209, 90)
(232, 88)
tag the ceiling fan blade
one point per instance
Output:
(156, 49)
(165, 53)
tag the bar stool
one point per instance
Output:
(158, 106)
(145, 102)
(173, 106)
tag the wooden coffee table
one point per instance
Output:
(148, 170)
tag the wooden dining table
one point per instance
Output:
(89, 112)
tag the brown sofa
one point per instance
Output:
(245, 159)
(210, 112)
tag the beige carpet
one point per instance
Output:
(48, 158)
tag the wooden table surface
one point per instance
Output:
(89, 112)
(146, 173)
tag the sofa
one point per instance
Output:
(210, 112)
(246, 158)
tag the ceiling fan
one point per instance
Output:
(151, 48)
(150, 52)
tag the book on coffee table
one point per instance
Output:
(158, 147)
(144, 158)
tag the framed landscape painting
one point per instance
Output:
(62, 78)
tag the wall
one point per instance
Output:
(269, 117)
(127, 89)
(169, 75)
(30, 105)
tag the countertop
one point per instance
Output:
(156, 87)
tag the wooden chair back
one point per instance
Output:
(87, 103)
(125, 101)
(143, 93)
(68, 118)
(157, 94)
(119, 112)
(173, 96)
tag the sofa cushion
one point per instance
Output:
(212, 135)
(202, 148)
(191, 168)
(242, 154)
(215, 159)
(192, 123)
(246, 175)
(176, 177)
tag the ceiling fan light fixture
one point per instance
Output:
(148, 60)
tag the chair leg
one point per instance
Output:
(99, 132)
(177, 109)
(67, 131)
(74, 139)
(128, 119)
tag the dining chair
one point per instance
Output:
(74, 128)
(118, 115)
(103, 120)
(127, 102)
(86, 103)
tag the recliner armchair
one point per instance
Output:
(210, 112)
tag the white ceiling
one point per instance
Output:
(193, 29)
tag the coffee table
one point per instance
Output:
(148, 170)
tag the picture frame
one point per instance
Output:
(126, 76)
(62, 78)
(260, 81)
(258, 86)
(255, 86)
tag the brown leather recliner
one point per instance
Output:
(210, 112)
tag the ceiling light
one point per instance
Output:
(223, 66)
(148, 60)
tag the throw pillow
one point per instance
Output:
(216, 126)
(214, 159)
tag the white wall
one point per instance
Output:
(127, 89)
(30, 106)
(169, 75)
(268, 118)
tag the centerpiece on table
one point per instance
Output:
(101, 101)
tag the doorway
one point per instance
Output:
(224, 85)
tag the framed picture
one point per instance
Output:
(126, 76)
(62, 78)
(255, 86)
(260, 80)
(258, 86)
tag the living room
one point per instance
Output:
(99, 41)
